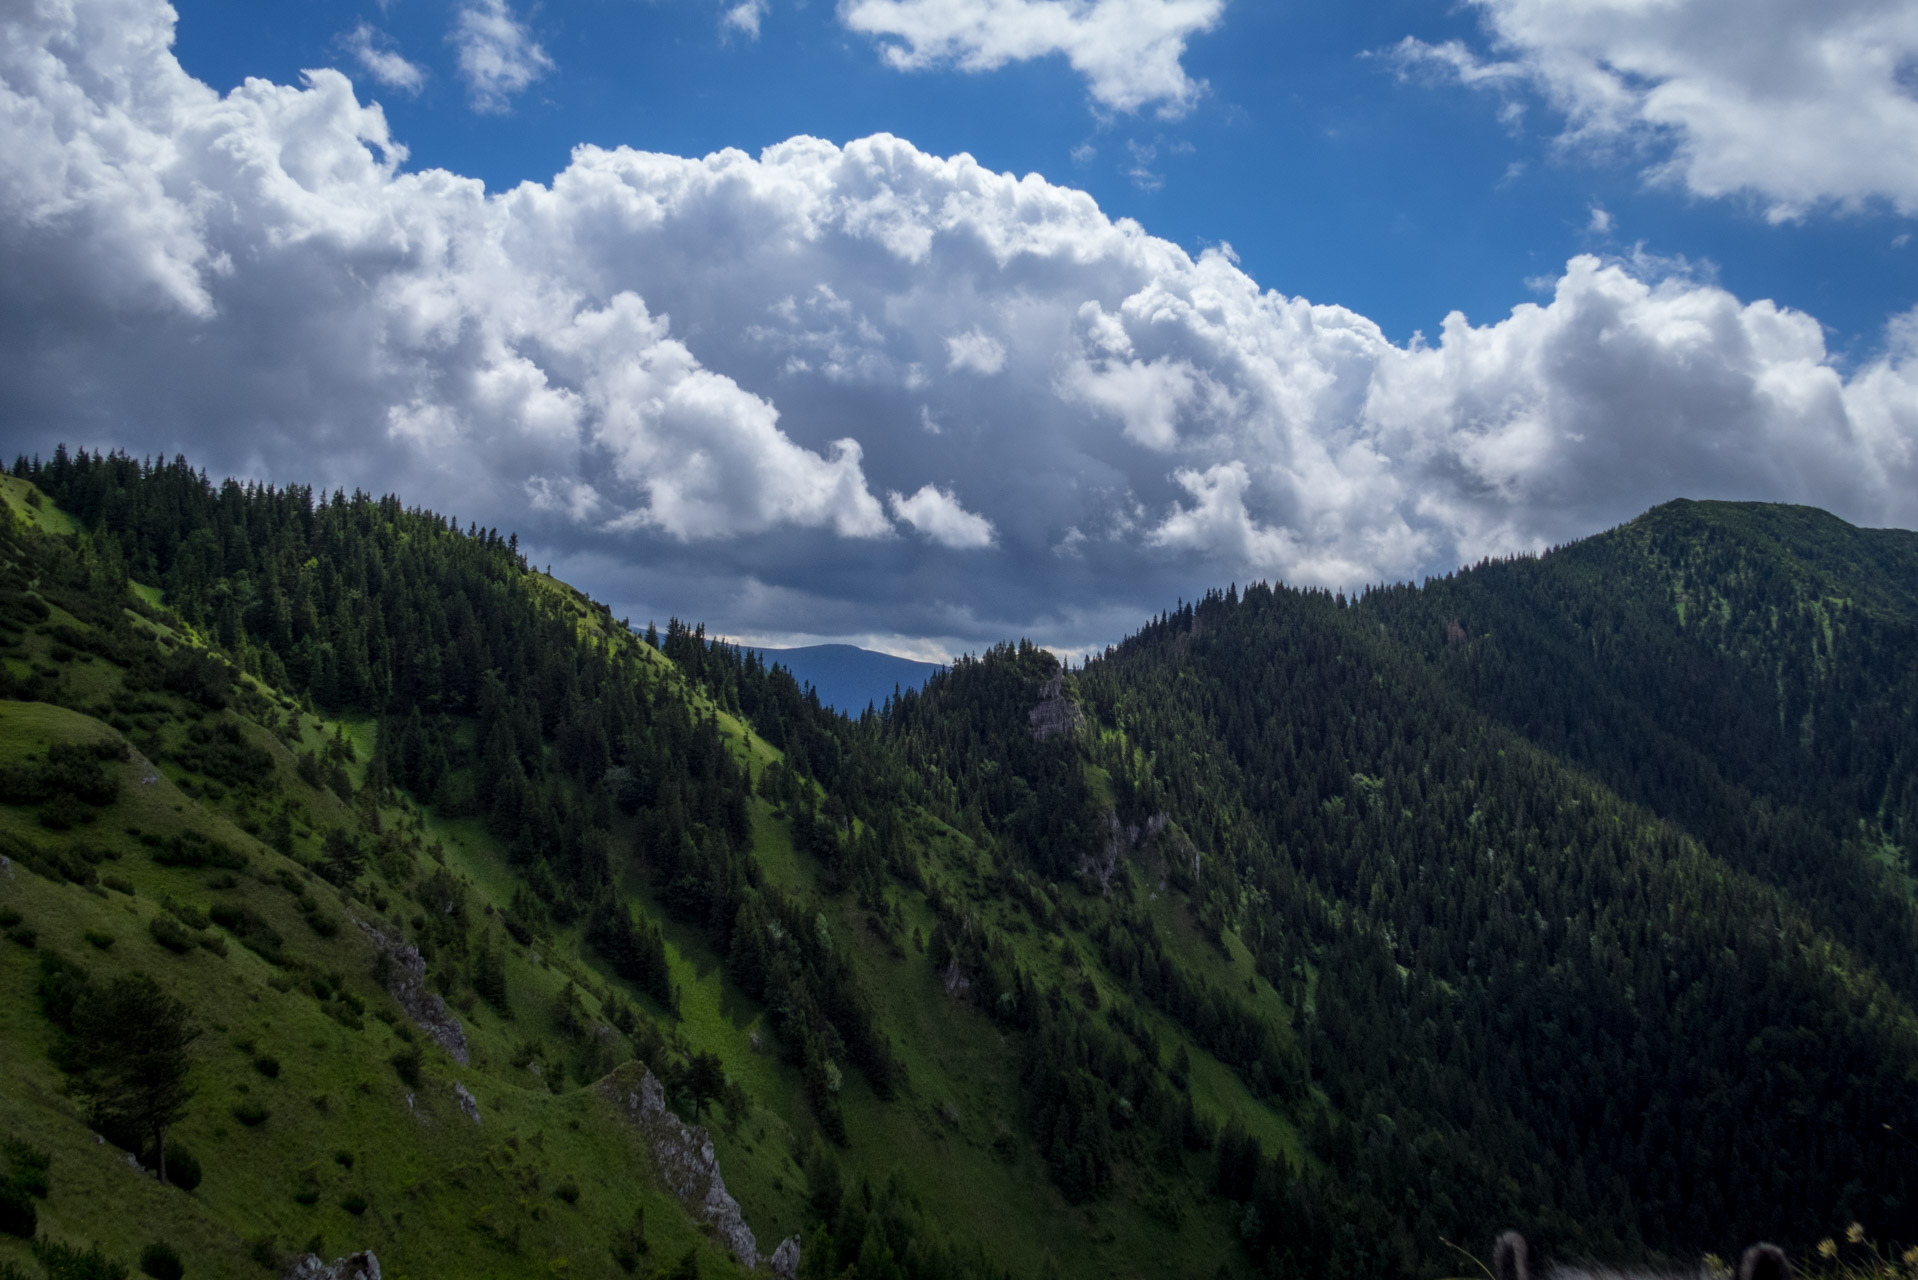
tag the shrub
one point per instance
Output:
(407, 1062)
(65, 1262)
(250, 1113)
(8, 917)
(267, 1065)
(170, 935)
(18, 1217)
(118, 885)
(187, 914)
(568, 1191)
(182, 1166)
(24, 936)
(354, 1203)
(162, 1261)
(630, 1243)
(192, 849)
(308, 1196)
(30, 1167)
(102, 941)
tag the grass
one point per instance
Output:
(306, 1129)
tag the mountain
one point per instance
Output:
(1297, 935)
(849, 678)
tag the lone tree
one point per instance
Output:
(705, 1079)
(132, 1039)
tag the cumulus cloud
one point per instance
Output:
(498, 57)
(1129, 51)
(1799, 105)
(744, 18)
(372, 49)
(975, 351)
(936, 513)
(688, 381)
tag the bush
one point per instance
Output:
(264, 1250)
(630, 1243)
(408, 1062)
(308, 1196)
(568, 1191)
(162, 1261)
(101, 941)
(170, 935)
(191, 849)
(182, 1166)
(65, 1262)
(354, 1203)
(267, 1065)
(18, 1217)
(250, 1113)
(29, 1168)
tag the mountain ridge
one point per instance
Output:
(1304, 923)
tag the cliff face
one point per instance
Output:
(683, 1154)
(1055, 713)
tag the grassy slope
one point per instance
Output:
(448, 1198)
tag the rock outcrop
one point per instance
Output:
(1121, 840)
(957, 981)
(468, 1103)
(785, 1259)
(406, 981)
(1055, 713)
(354, 1266)
(683, 1154)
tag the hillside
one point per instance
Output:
(1295, 936)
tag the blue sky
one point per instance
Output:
(1500, 274)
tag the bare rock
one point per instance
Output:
(1120, 840)
(406, 981)
(1055, 713)
(957, 981)
(785, 1260)
(468, 1103)
(684, 1156)
(354, 1266)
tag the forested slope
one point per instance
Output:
(1294, 936)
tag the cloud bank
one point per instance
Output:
(688, 381)
(1799, 105)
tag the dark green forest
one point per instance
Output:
(1297, 935)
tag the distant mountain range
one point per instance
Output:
(848, 677)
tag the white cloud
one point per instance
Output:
(936, 513)
(372, 49)
(498, 57)
(1129, 51)
(688, 379)
(744, 18)
(975, 351)
(1799, 105)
